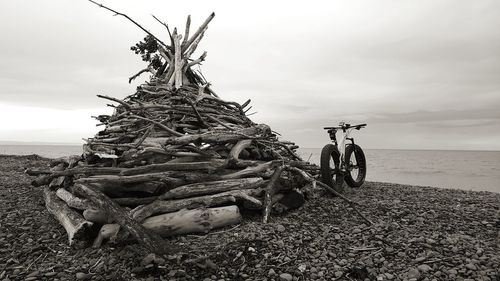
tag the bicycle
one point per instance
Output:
(347, 164)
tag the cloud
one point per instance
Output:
(405, 68)
(38, 124)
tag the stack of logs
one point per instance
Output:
(173, 158)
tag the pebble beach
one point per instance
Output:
(418, 233)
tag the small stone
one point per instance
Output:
(210, 264)
(50, 274)
(321, 274)
(479, 252)
(302, 267)
(338, 274)
(430, 241)
(413, 273)
(452, 272)
(389, 276)
(356, 230)
(137, 269)
(33, 274)
(286, 277)
(180, 272)
(149, 266)
(148, 259)
(471, 266)
(280, 228)
(424, 268)
(271, 272)
(81, 276)
(420, 259)
(159, 260)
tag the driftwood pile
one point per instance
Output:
(173, 158)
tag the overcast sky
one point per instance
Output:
(422, 74)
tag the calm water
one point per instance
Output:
(469, 170)
(475, 170)
(50, 151)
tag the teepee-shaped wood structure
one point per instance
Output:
(173, 158)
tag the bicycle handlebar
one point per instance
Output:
(346, 126)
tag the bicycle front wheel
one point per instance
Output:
(330, 167)
(355, 165)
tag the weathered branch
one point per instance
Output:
(126, 105)
(150, 240)
(186, 32)
(270, 190)
(205, 188)
(199, 31)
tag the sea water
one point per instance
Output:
(462, 169)
(469, 170)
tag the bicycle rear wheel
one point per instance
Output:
(355, 165)
(330, 167)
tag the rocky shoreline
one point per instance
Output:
(419, 233)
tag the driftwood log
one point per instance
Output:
(168, 206)
(74, 224)
(193, 221)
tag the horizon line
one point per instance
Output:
(368, 148)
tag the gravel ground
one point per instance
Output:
(419, 233)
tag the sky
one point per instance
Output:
(423, 74)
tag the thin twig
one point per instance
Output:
(146, 134)
(130, 19)
(309, 178)
(168, 29)
(126, 105)
(158, 124)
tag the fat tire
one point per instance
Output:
(360, 161)
(328, 153)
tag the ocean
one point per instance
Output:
(460, 169)
(468, 170)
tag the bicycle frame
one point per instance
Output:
(342, 145)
